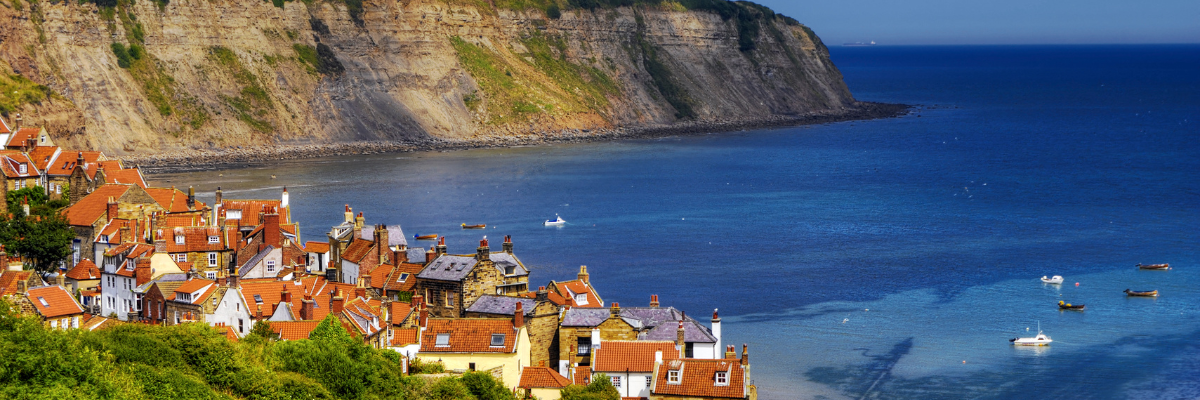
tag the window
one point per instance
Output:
(510, 269)
(270, 265)
(104, 238)
(57, 189)
(585, 346)
(581, 299)
(497, 340)
(43, 301)
(471, 366)
(210, 275)
(214, 239)
(688, 350)
(178, 239)
(673, 376)
(443, 340)
(212, 259)
(181, 257)
(649, 380)
(24, 168)
(403, 277)
(258, 299)
(449, 299)
(214, 302)
(722, 378)
(241, 326)
(428, 296)
(616, 381)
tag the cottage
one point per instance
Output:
(56, 307)
(479, 344)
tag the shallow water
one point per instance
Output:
(863, 259)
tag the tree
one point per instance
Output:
(43, 240)
(601, 388)
(484, 386)
(263, 329)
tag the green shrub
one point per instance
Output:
(553, 12)
(484, 386)
(123, 58)
(136, 51)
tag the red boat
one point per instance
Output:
(1154, 266)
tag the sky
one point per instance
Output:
(890, 22)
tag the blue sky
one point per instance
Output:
(997, 22)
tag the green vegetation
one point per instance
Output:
(601, 388)
(194, 361)
(43, 238)
(549, 55)
(252, 104)
(16, 90)
(320, 58)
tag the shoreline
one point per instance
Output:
(230, 158)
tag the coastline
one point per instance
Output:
(218, 159)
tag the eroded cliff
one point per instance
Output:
(151, 76)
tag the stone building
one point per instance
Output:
(450, 283)
(193, 301)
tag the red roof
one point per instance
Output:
(316, 247)
(394, 280)
(357, 250)
(195, 239)
(294, 330)
(43, 155)
(12, 166)
(90, 208)
(205, 287)
(570, 289)
(469, 335)
(362, 313)
(127, 176)
(171, 199)
(9, 279)
(583, 375)
(226, 331)
(698, 378)
(53, 301)
(271, 292)
(404, 337)
(84, 270)
(542, 377)
(632, 356)
(4, 126)
(251, 208)
(22, 136)
(399, 312)
(65, 163)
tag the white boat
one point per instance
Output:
(1040, 340)
(1057, 280)
(555, 222)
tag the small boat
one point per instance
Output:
(1161, 267)
(426, 237)
(1148, 293)
(1068, 306)
(1056, 280)
(556, 221)
(1040, 340)
(480, 226)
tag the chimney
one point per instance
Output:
(429, 256)
(160, 243)
(615, 311)
(306, 308)
(358, 222)
(399, 257)
(508, 244)
(381, 244)
(519, 316)
(441, 246)
(112, 208)
(679, 345)
(360, 288)
(349, 214)
(595, 340)
(483, 253)
(745, 355)
(231, 279)
(716, 328)
(271, 234)
(25, 205)
(258, 312)
(730, 353)
(542, 294)
(125, 237)
(22, 285)
(336, 302)
(218, 199)
(285, 296)
(18, 123)
(283, 198)
(423, 315)
(583, 274)
(61, 279)
(654, 301)
(191, 200)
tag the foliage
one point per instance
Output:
(43, 238)
(123, 58)
(484, 386)
(252, 103)
(262, 329)
(16, 90)
(601, 388)
(419, 366)
(321, 58)
(553, 12)
(661, 76)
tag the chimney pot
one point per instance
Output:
(519, 316)
(654, 301)
(583, 274)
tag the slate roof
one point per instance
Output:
(698, 378)
(469, 335)
(416, 255)
(631, 356)
(542, 377)
(395, 235)
(501, 260)
(90, 208)
(693, 332)
(84, 270)
(448, 268)
(245, 268)
(584, 316)
(58, 302)
(501, 305)
(664, 324)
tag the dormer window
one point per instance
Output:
(233, 214)
(443, 340)
(673, 376)
(179, 239)
(497, 340)
(214, 239)
(722, 378)
(23, 168)
(403, 277)
(510, 269)
(104, 238)
(581, 299)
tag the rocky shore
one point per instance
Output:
(214, 159)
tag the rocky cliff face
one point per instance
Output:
(151, 76)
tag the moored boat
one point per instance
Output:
(1056, 280)
(1068, 306)
(556, 221)
(480, 226)
(1154, 266)
(1040, 340)
(426, 237)
(1147, 293)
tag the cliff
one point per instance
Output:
(153, 76)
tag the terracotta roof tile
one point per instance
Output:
(42, 156)
(65, 163)
(4, 128)
(542, 377)
(364, 315)
(12, 166)
(90, 208)
(205, 287)
(294, 330)
(357, 250)
(271, 292)
(698, 378)
(195, 239)
(404, 337)
(316, 247)
(399, 312)
(397, 281)
(251, 208)
(22, 136)
(9, 279)
(53, 301)
(570, 289)
(126, 176)
(632, 356)
(468, 335)
(171, 199)
(84, 270)
(583, 375)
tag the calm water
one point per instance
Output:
(879, 259)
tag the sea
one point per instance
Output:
(881, 259)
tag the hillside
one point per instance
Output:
(129, 77)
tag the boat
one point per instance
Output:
(426, 237)
(1068, 306)
(1056, 280)
(556, 221)
(1154, 266)
(480, 226)
(1040, 340)
(1148, 293)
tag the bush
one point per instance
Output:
(136, 51)
(123, 58)
(601, 388)
(553, 12)
(484, 386)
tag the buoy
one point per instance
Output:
(964, 361)
(1076, 283)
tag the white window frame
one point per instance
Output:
(722, 378)
(214, 239)
(179, 239)
(442, 340)
(270, 265)
(212, 259)
(616, 381)
(673, 376)
(581, 299)
(24, 168)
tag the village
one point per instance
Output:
(147, 255)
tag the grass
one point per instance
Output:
(17, 90)
(252, 104)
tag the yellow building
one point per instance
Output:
(499, 346)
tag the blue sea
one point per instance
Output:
(871, 259)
